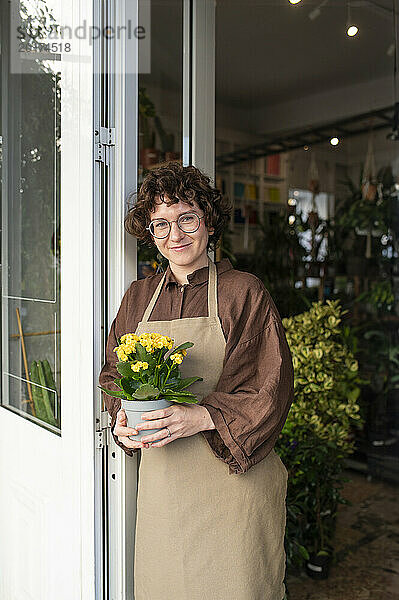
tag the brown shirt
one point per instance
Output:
(254, 393)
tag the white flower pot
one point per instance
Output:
(135, 408)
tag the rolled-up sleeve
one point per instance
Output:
(255, 391)
(109, 372)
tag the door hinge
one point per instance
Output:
(102, 435)
(104, 138)
(101, 439)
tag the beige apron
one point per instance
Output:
(201, 532)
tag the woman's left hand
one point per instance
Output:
(182, 420)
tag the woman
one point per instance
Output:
(211, 493)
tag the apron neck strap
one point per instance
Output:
(212, 293)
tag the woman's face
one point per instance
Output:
(185, 250)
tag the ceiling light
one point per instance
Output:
(351, 28)
(334, 141)
(294, 1)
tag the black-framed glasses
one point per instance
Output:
(187, 222)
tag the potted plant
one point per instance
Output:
(149, 155)
(151, 378)
(318, 433)
(277, 258)
(167, 141)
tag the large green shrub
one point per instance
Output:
(317, 435)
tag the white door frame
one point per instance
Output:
(118, 511)
(47, 480)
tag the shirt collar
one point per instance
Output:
(198, 276)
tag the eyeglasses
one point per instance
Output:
(187, 222)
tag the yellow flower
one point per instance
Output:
(176, 358)
(121, 355)
(129, 338)
(139, 365)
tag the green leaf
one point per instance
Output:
(130, 385)
(184, 383)
(145, 391)
(125, 369)
(188, 399)
(117, 382)
(173, 382)
(168, 392)
(112, 393)
(125, 385)
(142, 354)
(303, 552)
(182, 347)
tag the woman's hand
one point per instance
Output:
(122, 431)
(182, 420)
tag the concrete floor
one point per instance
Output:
(366, 544)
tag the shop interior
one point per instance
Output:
(307, 149)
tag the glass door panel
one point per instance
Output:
(160, 101)
(31, 94)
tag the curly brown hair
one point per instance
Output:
(177, 183)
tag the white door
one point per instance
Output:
(47, 411)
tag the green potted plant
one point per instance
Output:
(318, 433)
(361, 220)
(149, 155)
(45, 403)
(167, 141)
(151, 379)
(277, 259)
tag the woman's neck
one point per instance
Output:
(181, 271)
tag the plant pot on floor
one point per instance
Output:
(135, 408)
(318, 565)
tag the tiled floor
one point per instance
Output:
(367, 547)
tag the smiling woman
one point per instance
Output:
(207, 462)
(169, 196)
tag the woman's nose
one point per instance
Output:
(175, 232)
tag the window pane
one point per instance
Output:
(31, 222)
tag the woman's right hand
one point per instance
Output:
(121, 430)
